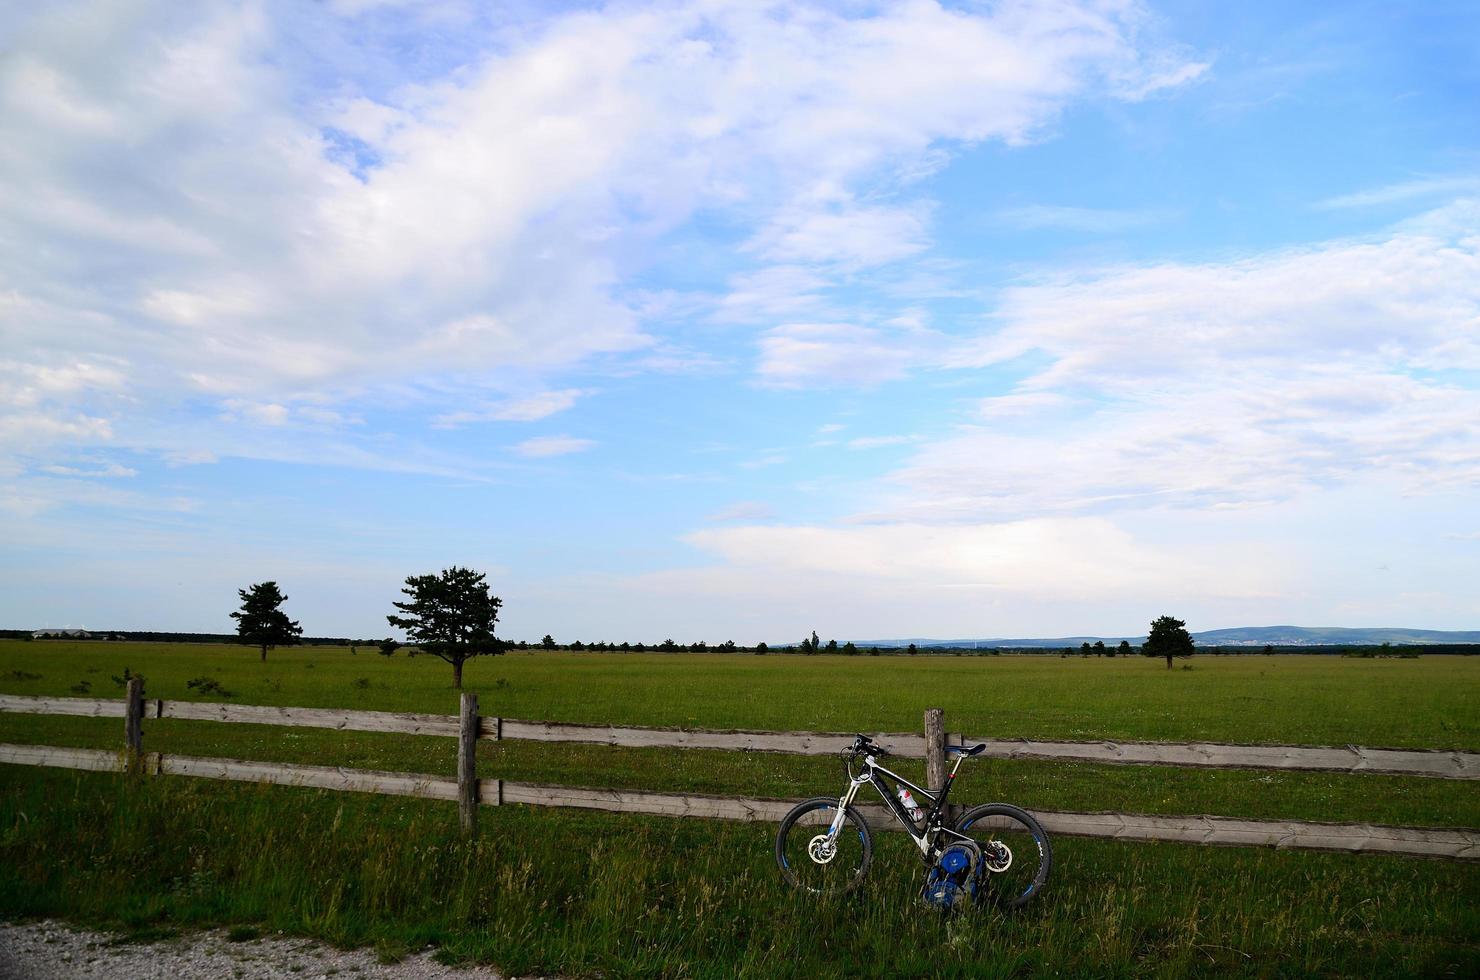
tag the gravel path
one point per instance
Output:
(53, 951)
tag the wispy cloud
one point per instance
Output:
(1430, 187)
(1037, 217)
(528, 409)
(744, 511)
(879, 442)
(544, 446)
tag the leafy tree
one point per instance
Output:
(1099, 648)
(699, 646)
(626, 646)
(578, 645)
(1124, 649)
(388, 647)
(668, 646)
(811, 645)
(832, 646)
(548, 642)
(761, 649)
(640, 647)
(912, 650)
(450, 616)
(1084, 649)
(260, 622)
(1169, 638)
(849, 649)
(728, 646)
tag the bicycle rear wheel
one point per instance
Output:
(1015, 849)
(805, 859)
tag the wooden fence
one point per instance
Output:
(470, 791)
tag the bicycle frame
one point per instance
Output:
(874, 774)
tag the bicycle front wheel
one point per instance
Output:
(1015, 852)
(809, 861)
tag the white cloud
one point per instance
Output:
(1094, 220)
(178, 204)
(1064, 558)
(879, 442)
(528, 409)
(1226, 383)
(544, 446)
(798, 354)
(745, 510)
(849, 236)
(100, 470)
(1407, 190)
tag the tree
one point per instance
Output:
(832, 646)
(1124, 649)
(912, 649)
(849, 649)
(388, 647)
(1168, 638)
(548, 642)
(1084, 649)
(761, 649)
(811, 645)
(260, 622)
(450, 616)
(1099, 648)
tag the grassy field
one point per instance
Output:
(1425, 703)
(617, 896)
(589, 893)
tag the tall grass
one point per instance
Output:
(587, 894)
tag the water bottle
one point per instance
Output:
(909, 804)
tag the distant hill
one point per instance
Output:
(1241, 636)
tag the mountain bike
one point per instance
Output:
(997, 851)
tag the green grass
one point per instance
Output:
(1425, 703)
(569, 892)
(586, 894)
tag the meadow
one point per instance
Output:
(589, 893)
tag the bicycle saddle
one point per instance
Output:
(977, 749)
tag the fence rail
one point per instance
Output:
(1441, 763)
(470, 791)
(1460, 844)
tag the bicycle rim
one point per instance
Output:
(809, 867)
(1016, 851)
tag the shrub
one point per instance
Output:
(208, 685)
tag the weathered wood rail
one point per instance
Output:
(470, 792)
(1440, 763)
(1454, 844)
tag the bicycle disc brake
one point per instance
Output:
(821, 850)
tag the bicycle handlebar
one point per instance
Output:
(864, 744)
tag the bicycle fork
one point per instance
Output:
(844, 802)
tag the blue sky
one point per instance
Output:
(724, 320)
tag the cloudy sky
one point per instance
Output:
(726, 320)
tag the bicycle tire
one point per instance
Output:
(1015, 827)
(823, 877)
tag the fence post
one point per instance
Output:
(935, 749)
(467, 765)
(133, 725)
